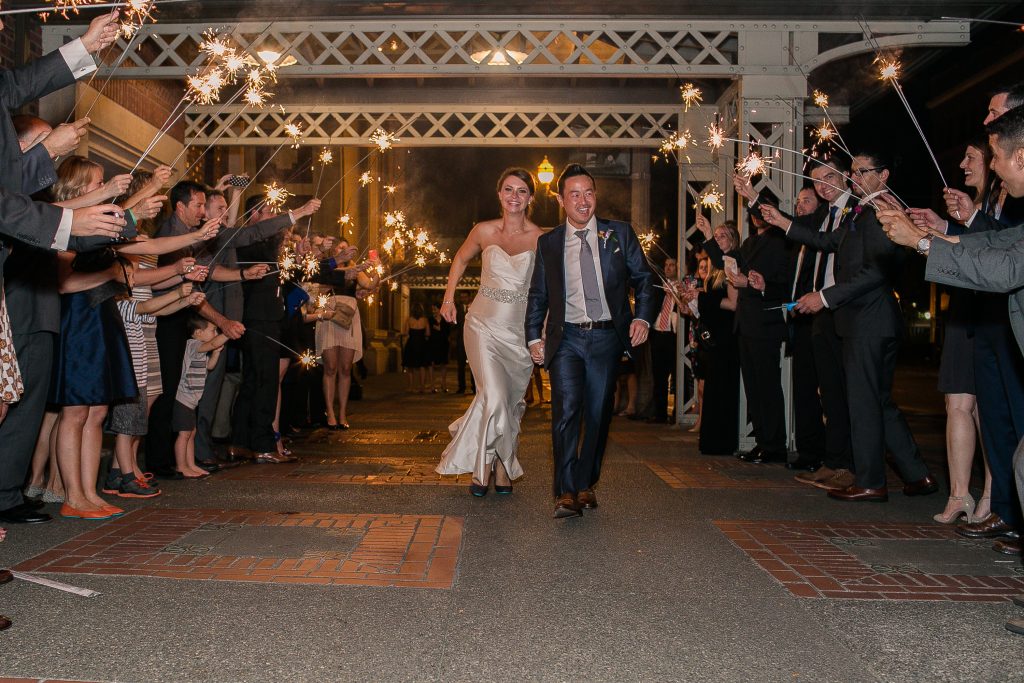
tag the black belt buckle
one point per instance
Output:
(589, 325)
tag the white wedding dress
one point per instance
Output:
(496, 348)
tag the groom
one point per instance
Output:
(581, 282)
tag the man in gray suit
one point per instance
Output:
(987, 261)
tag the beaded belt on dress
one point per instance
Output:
(505, 296)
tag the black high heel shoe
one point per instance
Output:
(478, 490)
(503, 490)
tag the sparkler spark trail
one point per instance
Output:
(820, 99)
(326, 156)
(647, 240)
(365, 179)
(825, 132)
(344, 219)
(691, 95)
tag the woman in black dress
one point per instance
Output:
(718, 354)
(416, 352)
(440, 340)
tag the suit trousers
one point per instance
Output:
(206, 412)
(828, 361)
(663, 366)
(18, 433)
(875, 421)
(583, 374)
(761, 367)
(999, 381)
(253, 418)
(807, 409)
(171, 337)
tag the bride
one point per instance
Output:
(486, 437)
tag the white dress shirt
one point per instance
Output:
(81, 63)
(575, 303)
(830, 257)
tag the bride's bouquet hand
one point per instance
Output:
(448, 312)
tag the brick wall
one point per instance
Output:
(152, 101)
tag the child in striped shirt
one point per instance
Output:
(201, 353)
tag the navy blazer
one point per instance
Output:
(623, 267)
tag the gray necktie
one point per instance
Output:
(591, 291)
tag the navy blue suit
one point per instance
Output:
(583, 363)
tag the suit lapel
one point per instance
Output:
(558, 255)
(604, 249)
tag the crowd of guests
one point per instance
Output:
(166, 321)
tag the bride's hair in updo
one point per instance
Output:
(520, 173)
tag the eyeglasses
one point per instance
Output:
(862, 171)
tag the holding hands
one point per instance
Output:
(536, 349)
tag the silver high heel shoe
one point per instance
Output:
(974, 519)
(965, 507)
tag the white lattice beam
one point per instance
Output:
(441, 125)
(548, 47)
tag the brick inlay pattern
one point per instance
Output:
(817, 560)
(416, 551)
(373, 471)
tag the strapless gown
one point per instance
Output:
(496, 349)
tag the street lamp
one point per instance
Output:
(545, 171)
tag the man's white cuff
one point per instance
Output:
(63, 236)
(78, 59)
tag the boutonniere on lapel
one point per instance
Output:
(856, 212)
(607, 236)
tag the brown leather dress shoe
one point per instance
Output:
(856, 494)
(1007, 546)
(6, 576)
(839, 480)
(921, 487)
(990, 527)
(239, 453)
(566, 506)
(587, 499)
(5, 623)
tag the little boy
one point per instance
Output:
(201, 353)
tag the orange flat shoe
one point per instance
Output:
(73, 513)
(114, 511)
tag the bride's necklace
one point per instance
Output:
(511, 232)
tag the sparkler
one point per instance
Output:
(716, 136)
(820, 99)
(275, 195)
(344, 219)
(753, 164)
(365, 179)
(383, 139)
(391, 189)
(326, 156)
(647, 240)
(825, 133)
(711, 198)
(888, 69)
(691, 95)
(307, 359)
(63, 7)
(294, 131)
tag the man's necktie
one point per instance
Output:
(591, 289)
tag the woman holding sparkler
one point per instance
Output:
(339, 336)
(486, 437)
(715, 302)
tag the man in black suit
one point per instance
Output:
(583, 273)
(761, 328)
(822, 367)
(868, 320)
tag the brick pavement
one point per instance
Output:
(414, 551)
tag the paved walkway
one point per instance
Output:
(358, 563)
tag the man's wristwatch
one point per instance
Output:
(925, 244)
